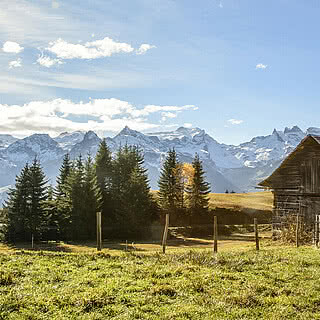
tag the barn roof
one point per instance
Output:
(267, 183)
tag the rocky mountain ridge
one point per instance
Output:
(227, 166)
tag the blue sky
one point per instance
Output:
(235, 68)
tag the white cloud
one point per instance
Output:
(90, 50)
(187, 125)
(144, 48)
(48, 62)
(12, 47)
(261, 66)
(235, 121)
(15, 64)
(170, 115)
(59, 115)
(152, 109)
(220, 5)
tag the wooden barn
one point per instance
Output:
(296, 184)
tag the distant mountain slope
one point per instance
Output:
(237, 168)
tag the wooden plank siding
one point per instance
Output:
(296, 184)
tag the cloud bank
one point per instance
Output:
(90, 50)
(100, 115)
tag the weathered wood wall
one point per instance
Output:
(296, 185)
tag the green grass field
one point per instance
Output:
(275, 283)
(136, 281)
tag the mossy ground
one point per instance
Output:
(238, 283)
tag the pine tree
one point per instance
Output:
(53, 214)
(38, 220)
(64, 172)
(130, 187)
(198, 189)
(170, 184)
(63, 199)
(17, 207)
(92, 198)
(75, 184)
(25, 204)
(103, 166)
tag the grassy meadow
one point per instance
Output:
(275, 283)
(136, 281)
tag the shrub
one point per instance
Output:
(288, 232)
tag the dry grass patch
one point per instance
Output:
(241, 201)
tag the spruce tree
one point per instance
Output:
(170, 184)
(37, 220)
(26, 204)
(53, 214)
(103, 166)
(64, 172)
(17, 207)
(62, 200)
(92, 198)
(75, 184)
(130, 187)
(198, 190)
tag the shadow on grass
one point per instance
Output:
(41, 246)
(176, 241)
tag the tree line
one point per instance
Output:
(118, 186)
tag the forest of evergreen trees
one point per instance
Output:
(116, 185)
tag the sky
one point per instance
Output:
(235, 68)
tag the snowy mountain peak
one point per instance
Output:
(41, 146)
(294, 129)
(39, 139)
(89, 145)
(277, 135)
(90, 135)
(313, 131)
(6, 140)
(67, 140)
(69, 134)
(126, 131)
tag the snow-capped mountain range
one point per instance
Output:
(237, 168)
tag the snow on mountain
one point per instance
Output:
(4, 194)
(227, 166)
(265, 149)
(6, 140)
(67, 140)
(313, 131)
(40, 146)
(88, 145)
(186, 142)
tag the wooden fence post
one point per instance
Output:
(316, 232)
(32, 245)
(297, 231)
(255, 221)
(99, 233)
(215, 234)
(165, 234)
